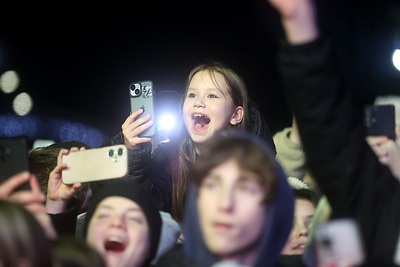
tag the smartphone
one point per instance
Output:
(13, 158)
(142, 97)
(95, 164)
(379, 120)
(338, 242)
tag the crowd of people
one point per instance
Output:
(225, 191)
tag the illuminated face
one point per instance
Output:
(231, 213)
(304, 212)
(119, 231)
(208, 108)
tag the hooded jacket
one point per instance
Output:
(278, 223)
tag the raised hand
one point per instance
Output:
(32, 199)
(298, 19)
(288, 8)
(133, 127)
(58, 193)
(387, 151)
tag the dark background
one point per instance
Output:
(77, 61)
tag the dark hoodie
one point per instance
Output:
(278, 221)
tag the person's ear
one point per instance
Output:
(237, 116)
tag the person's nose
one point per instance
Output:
(226, 200)
(303, 231)
(199, 102)
(117, 222)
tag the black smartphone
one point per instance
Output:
(379, 120)
(142, 97)
(13, 158)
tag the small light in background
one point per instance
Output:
(22, 104)
(9, 81)
(42, 143)
(396, 59)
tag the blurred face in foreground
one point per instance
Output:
(231, 212)
(119, 231)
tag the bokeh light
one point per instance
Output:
(22, 104)
(9, 81)
(396, 59)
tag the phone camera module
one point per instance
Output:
(136, 89)
(370, 119)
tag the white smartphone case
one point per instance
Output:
(95, 164)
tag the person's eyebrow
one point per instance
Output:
(209, 89)
(105, 206)
(213, 175)
(134, 210)
(216, 89)
(249, 177)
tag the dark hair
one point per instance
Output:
(248, 153)
(42, 161)
(70, 251)
(307, 194)
(301, 190)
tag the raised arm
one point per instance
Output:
(298, 20)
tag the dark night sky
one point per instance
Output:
(77, 62)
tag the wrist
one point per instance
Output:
(55, 206)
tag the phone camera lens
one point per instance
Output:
(137, 91)
(120, 151)
(111, 153)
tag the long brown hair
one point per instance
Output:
(186, 150)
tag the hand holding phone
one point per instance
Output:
(95, 164)
(59, 193)
(142, 97)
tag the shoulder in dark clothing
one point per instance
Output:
(176, 257)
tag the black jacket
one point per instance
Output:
(331, 127)
(151, 170)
